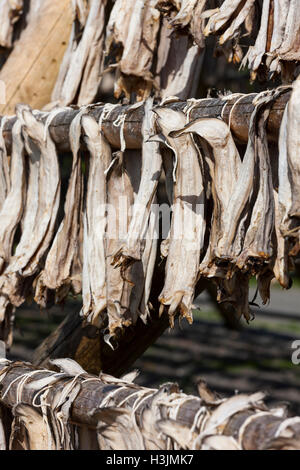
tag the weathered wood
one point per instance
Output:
(31, 69)
(238, 110)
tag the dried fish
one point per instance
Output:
(188, 224)
(94, 270)
(10, 12)
(289, 49)
(80, 72)
(41, 207)
(293, 149)
(120, 197)
(151, 170)
(56, 274)
(224, 163)
(178, 65)
(12, 206)
(132, 31)
(255, 53)
(231, 12)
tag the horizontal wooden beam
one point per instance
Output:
(236, 109)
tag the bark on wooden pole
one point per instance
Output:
(237, 110)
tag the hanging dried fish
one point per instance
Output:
(293, 149)
(230, 16)
(151, 169)
(94, 270)
(120, 197)
(4, 166)
(56, 274)
(255, 53)
(12, 206)
(178, 64)
(225, 163)
(132, 31)
(289, 48)
(80, 72)
(188, 224)
(41, 207)
(10, 12)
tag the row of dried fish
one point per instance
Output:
(254, 226)
(76, 255)
(136, 44)
(230, 220)
(273, 27)
(124, 416)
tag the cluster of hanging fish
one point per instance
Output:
(267, 29)
(233, 216)
(136, 44)
(124, 416)
(158, 45)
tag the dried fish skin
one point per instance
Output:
(258, 239)
(94, 263)
(80, 72)
(120, 197)
(178, 65)
(255, 53)
(131, 36)
(56, 274)
(41, 206)
(12, 207)
(293, 149)
(4, 167)
(150, 174)
(188, 224)
(289, 49)
(10, 11)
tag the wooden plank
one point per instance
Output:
(31, 69)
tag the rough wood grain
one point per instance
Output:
(32, 67)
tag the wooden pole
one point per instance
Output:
(236, 109)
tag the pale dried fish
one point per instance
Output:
(188, 224)
(41, 206)
(231, 12)
(255, 53)
(12, 207)
(56, 274)
(120, 197)
(80, 72)
(151, 169)
(29, 431)
(257, 242)
(178, 65)
(10, 12)
(94, 270)
(132, 31)
(289, 49)
(224, 163)
(293, 149)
